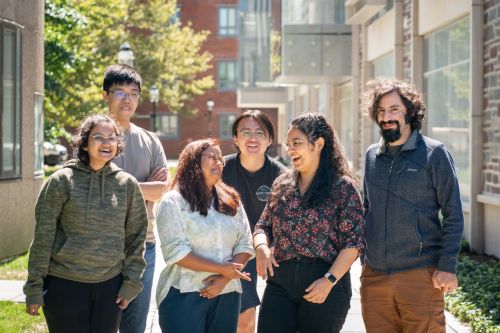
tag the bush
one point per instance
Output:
(477, 301)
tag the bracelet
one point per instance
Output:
(255, 248)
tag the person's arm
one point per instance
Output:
(48, 208)
(157, 183)
(135, 235)
(445, 182)
(262, 237)
(349, 228)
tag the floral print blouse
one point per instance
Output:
(217, 237)
(319, 232)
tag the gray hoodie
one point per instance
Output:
(90, 226)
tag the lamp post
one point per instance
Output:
(125, 55)
(154, 96)
(210, 107)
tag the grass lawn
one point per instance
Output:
(16, 269)
(13, 319)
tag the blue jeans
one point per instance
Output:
(191, 313)
(134, 317)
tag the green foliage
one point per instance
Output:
(14, 319)
(14, 268)
(477, 301)
(82, 38)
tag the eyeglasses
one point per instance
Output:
(294, 144)
(102, 140)
(258, 134)
(122, 95)
(215, 157)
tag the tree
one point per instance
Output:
(82, 38)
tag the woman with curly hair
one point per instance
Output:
(206, 241)
(313, 221)
(86, 259)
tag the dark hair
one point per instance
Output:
(260, 117)
(332, 166)
(120, 74)
(189, 181)
(81, 137)
(412, 99)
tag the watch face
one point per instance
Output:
(331, 277)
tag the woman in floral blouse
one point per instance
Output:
(206, 241)
(313, 221)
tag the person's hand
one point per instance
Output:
(318, 291)
(214, 284)
(32, 309)
(445, 281)
(232, 270)
(265, 261)
(122, 302)
(159, 175)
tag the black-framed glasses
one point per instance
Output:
(215, 157)
(258, 134)
(122, 95)
(102, 140)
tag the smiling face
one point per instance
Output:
(102, 145)
(251, 138)
(122, 101)
(305, 155)
(391, 118)
(212, 164)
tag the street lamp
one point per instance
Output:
(126, 56)
(154, 97)
(210, 107)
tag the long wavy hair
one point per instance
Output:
(81, 138)
(189, 181)
(332, 166)
(412, 99)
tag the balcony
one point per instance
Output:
(360, 11)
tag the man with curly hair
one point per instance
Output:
(411, 252)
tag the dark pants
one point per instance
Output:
(284, 310)
(189, 312)
(76, 307)
(134, 317)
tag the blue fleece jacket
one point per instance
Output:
(403, 196)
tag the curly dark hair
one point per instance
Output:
(411, 97)
(189, 181)
(332, 166)
(81, 138)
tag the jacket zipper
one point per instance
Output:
(386, 205)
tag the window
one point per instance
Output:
(168, 126)
(38, 135)
(226, 75)
(227, 21)
(226, 121)
(447, 91)
(10, 101)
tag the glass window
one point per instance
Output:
(38, 135)
(346, 118)
(227, 21)
(226, 121)
(168, 126)
(10, 102)
(313, 11)
(383, 67)
(226, 75)
(447, 91)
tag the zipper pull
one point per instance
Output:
(420, 249)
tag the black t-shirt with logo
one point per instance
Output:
(253, 187)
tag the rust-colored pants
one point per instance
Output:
(401, 302)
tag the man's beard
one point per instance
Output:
(390, 135)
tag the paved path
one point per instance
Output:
(13, 291)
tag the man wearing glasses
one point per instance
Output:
(143, 157)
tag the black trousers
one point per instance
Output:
(79, 307)
(284, 310)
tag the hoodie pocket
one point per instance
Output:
(418, 234)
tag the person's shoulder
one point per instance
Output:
(432, 144)
(286, 175)
(345, 182)
(231, 159)
(139, 131)
(276, 165)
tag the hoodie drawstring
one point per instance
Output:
(102, 189)
(89, 194)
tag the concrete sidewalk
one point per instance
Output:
(13, 291)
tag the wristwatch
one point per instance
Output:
(330, 277)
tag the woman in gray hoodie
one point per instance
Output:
(86, 258)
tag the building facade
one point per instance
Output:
(21, 121)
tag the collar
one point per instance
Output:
(410, 144)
